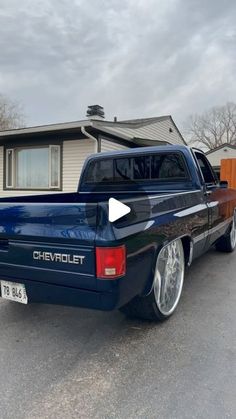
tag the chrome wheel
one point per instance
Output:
(169, 277)
(233, 232)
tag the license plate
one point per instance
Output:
(14, 292)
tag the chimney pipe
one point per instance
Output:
(95, 112)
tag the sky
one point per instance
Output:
(136, 58)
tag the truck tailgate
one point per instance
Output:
(48, 242)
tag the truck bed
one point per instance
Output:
(45, 238)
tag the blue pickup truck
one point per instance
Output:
(62, 248)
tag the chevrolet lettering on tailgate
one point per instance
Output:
(58, 257)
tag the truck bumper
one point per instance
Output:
(39, 292)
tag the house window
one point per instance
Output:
(33, 167)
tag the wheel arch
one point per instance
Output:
(188, 249)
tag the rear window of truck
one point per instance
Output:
(159, 167)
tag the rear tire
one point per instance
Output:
(227, 243)
(162, 301)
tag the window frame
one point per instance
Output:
(6, 172)
(13, 149)
(207, 184)
(51, 146)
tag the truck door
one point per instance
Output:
(216, 199)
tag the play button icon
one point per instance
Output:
(117, 209)
(120, 208)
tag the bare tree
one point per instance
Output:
(11, 115)
(213, 128)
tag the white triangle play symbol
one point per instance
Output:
(117, 209)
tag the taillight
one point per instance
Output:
(110, 262)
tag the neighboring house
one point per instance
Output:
(49, 158)
(225, 151)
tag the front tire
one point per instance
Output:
(162, 301)
(227, 243)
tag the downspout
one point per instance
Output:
(86, 134)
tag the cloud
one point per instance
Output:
(136, 58)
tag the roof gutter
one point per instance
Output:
(91, 137)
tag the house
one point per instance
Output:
(49, 158)
(225, 151)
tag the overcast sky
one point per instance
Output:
(137, 58)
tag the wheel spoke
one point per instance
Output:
(170, 266)
(233, 231)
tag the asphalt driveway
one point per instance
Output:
(62, 362)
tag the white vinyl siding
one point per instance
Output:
(223, 153)
(156, 131)
(160, 131)
(111, 146)
(74, 153)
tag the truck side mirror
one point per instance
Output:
(224, 184)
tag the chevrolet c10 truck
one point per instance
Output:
(62, 249)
